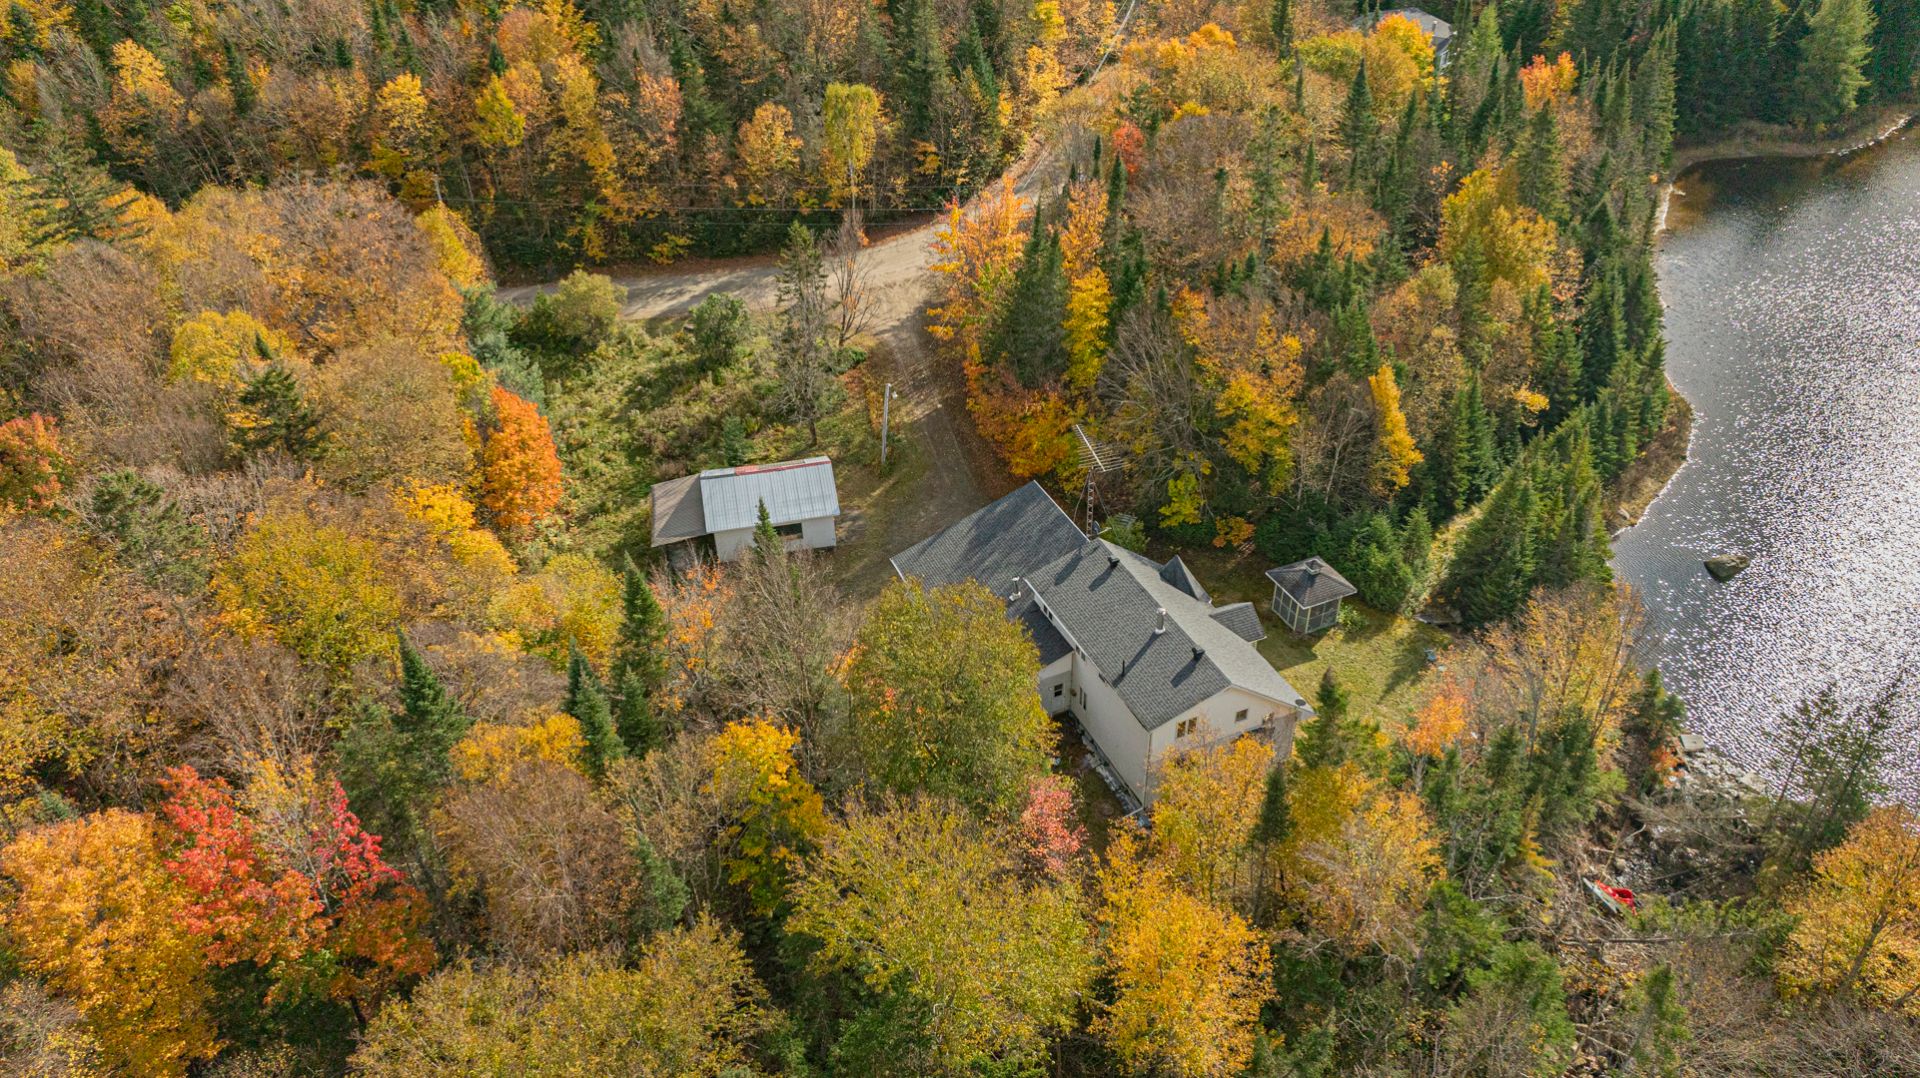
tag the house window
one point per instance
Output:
(1057, 689)
(1240, 716)
(787, 531)
(1187, 727)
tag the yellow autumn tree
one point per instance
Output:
(488, 751)
(1396, 454)
(851, 121)
(1089, 299)
(320, 590)
(774, 814)
(974, 256)
(1516, 244)
(95, 914)
(455, 246)
(1359, 861)
(1189, 978)
(769, 154)
(497, 122)
(223, 349)
(1206, 803)
(1858, 929)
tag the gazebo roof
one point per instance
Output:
(1311, 582)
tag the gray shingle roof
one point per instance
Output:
(1243, 619)
(723, 499)
(1109, 599)
(1004, 539)
(1046, 637)
(1311, 582)
(677, 513)
(1175, 572)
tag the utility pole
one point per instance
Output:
(886, 413)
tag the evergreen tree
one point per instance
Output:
(1833, 58)
(1603, 327)
(767, 544)
(1539, 165)
(926, 75)
(639, 662)
(272, 415)
(1030, 339)
(663, 896)
(1492, 570)
(67, 197)
(1276, 811)
(1377, 565)
(1334, 737)
(587, 703)
(1280, 22)
(393, 762)
(1357, 125)
(1467, 450)
(150, 532)
(239, 81)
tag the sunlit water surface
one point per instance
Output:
(1793, 325)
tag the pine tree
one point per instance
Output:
(1493, 569)
(587, 703)
(1280, 21)
(926, 75)
(272, 415)
(1603, 328)
(1468, 449)
(68, 197)
(239, 81)
(1325, 741)
(1833, 59)
(1357, 125)
(1542, 175)
(1276, 811)
(639, 663)
(663, 895)
(429, 720)
(1031, 339)
(767, 544)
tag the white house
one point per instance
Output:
(1134, 650)
(724, 503)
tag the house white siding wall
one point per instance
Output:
(816, 533)
(1112, 726)
(1218, 715)
(1056, 685)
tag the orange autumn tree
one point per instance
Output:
(33, 466)
(520, 468)
(95, 914)
(282, 875)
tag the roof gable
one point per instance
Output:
(1002, 540)
(1110, 601)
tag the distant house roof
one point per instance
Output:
(1311, 582)
(1440, 30)
(725, 499)
(1108, 600)
(1002, 540)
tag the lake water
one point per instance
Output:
(1793, 325)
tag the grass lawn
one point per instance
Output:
(1381, 659)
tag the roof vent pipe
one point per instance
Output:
(1162, 626)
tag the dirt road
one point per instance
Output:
(930, 406)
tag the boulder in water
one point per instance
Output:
(1725, 567)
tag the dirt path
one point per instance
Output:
(962, 473)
